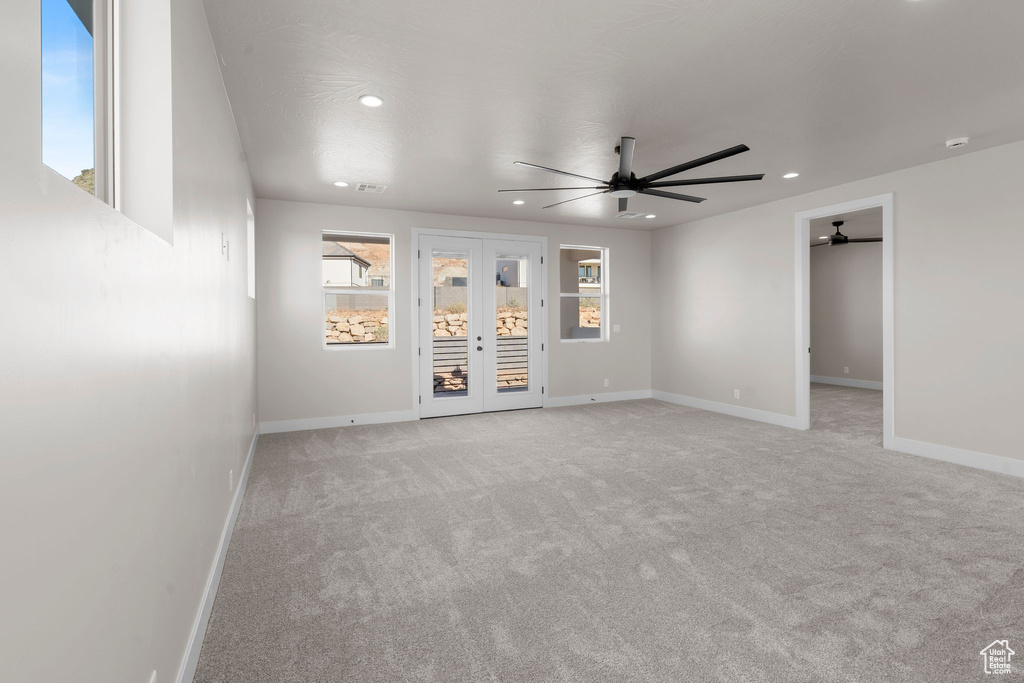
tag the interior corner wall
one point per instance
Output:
(846, 311)
(127, 383)
(724, 292)
(300, 380)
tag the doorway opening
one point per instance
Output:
(844, 301)
(480, 323)
(846, 323)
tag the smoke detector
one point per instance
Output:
(957, 142)
(372, 188)
(629, 215)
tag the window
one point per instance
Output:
(74, 54)
(357, 289)
(99, 58)
(584, 293)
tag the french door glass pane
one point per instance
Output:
(512, 296)
(450, 296)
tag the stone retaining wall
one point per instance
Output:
(590, 317)
(509, 321)
(348, 327)
(358, 327)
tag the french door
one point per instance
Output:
(480, 324)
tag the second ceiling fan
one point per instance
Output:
(624, 183)
(840, 239)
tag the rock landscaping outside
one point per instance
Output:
(357, 327)
(509, 321)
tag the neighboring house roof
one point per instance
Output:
(335, 250)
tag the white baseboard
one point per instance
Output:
(302, 424)
(959, 456)
(562, 401)
(337, 421)
(844, 382)
(728, 409)
(187, 670)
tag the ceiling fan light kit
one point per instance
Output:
(624, 183)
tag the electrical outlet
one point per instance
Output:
(616, 328)
(846, 371)
(735, 393)
(231, 480)
(254, 419)
(606, 382)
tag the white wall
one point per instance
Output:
(724, 300)
(846, 311)
(127, 383)
(299, 379)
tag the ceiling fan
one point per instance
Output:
(840, 238)
(624, 183)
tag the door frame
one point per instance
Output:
(803, 308)
(416, 297)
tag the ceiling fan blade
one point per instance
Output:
(592, 194)
(549, 189)
(623, 202)
(717, 156)
(673, 195)
(708, 181)
(865, 239)
(626, 157)
(820, 244)
(555, 170)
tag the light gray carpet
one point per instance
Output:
(635, 541)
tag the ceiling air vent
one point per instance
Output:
(371, 188)
(629, 215)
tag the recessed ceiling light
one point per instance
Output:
(518, 202)
(790, 175)
(341, 183)
(371, 100)
(650, 215)
(823, 237)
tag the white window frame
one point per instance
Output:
(390, 294)
(602, 296)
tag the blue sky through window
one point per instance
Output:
(67, 90)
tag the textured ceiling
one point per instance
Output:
(836, 90)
